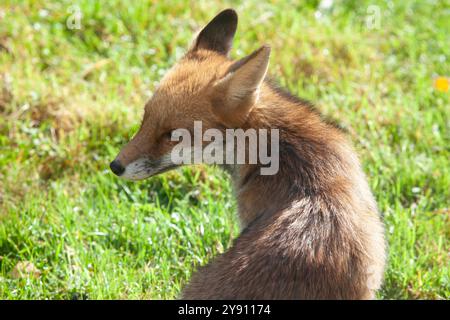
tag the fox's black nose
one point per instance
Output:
(116, 167)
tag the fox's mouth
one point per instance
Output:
(144, 168)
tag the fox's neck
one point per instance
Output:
(313, 158)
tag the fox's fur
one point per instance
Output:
(313, 230)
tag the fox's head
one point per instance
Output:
(205, 85)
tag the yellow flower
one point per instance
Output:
(442, 84)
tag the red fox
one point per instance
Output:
(310, 231)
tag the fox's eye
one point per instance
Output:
(167, 136)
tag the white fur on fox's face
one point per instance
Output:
(143, 168)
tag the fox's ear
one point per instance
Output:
(238, 91)
(218, 34)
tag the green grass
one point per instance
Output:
(70, 98)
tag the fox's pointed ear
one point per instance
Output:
(218, 34)
(238, 91)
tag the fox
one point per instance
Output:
(310, 231)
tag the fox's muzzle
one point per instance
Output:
(142, 168)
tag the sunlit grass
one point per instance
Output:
(70, 98)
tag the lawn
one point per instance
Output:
(71, 97)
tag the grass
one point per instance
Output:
(70, 98)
